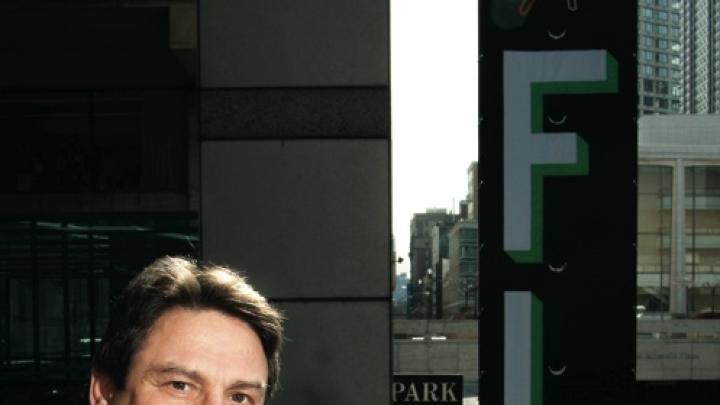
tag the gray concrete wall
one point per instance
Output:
(273, 43)
(678, 349)
(295, 180)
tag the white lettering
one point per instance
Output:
(447, 391)
(412, 391)
(524, 149)
(397, 389)
(429, 392)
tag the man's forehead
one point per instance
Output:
(206, 342)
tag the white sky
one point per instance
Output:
(434, 80)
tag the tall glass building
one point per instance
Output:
(701, 63)
(659, 56)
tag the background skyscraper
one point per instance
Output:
(700, 61)
(659, 56)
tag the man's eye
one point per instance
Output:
(241, 398)
(180, 386)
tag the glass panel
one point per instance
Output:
(4, 317)
(102, 306)
(51, 320)
(79, 314)
(93, 141)
(653, 260)
(703, 241)
(85, 139)
(64, 257)
(21, 322)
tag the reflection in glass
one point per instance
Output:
(61, 274)
(702, 258)
(678, 256)
(654, 224)
(51, 320)
(21, 321)
(78, 322)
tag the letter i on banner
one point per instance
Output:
(523, 349)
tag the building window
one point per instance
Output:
(468, 251)
(93, 141)
(64, 269)
(647, 101)
(654, 224)
(647, 85)
(702, 185)
(662, 87)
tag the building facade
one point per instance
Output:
(472, 196)
(679, 215)
(460, 283)
(701, 57)
(659, 56)
(423, 277)
(678, 248)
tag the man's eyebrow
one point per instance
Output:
(171, 368)
(248, 384)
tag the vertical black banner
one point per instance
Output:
(557, 221)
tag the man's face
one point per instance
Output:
(192, 357)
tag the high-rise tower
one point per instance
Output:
(701, 56)
(659, 56)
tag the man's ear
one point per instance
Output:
(101, 388)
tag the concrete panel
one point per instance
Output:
(294, 43)
(452, 356)
(302, 218)
(679, 359)
(336, 353)
(296, 113)
(678, 349)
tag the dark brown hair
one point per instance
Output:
(172, 282)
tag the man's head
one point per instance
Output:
(184, 333)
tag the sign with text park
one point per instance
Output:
(411, 389)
